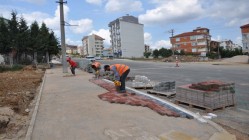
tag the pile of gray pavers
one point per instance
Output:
(165, 88)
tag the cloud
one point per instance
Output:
(147, 38)
(217, 38)
(172, 11)
(104, 33)
(123, 6)
(72, 42)
(233, 12)
(96, 2)
(161, 44)
(82, 25)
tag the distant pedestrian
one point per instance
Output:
(120, 73)
(73, 65)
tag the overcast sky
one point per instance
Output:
(222, 17)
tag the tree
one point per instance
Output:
(44, 40)
(13, 33)
(182, 52)
(147, 54)
(23, 38)
(4, 37)
(165, 52)
(155, 53)
(53, 44)
(34, 31)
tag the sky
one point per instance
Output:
(222, 17)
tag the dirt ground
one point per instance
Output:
(18, 90)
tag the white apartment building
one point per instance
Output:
(127, 37)
(93, 45)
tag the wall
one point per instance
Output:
(132, 39)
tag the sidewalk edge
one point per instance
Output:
(32, 122)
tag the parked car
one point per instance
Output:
(91, 58)
(98, 58)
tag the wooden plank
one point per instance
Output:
(208, 109)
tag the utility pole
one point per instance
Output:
(172, 34)
(63, 46)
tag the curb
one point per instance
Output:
(32, 122)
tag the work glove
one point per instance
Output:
(117, 83)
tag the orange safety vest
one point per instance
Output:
(121, 68)
(96, 64)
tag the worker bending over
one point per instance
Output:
(120, 72)
(96, 66)
(73, 65)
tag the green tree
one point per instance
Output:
(53, 44)
(13, 33)
(34, 38)
(44, 41)
(4, 37)
(147, 54)
(155, 53)
(23, 38)
(182, 52)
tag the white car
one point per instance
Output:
(91, 58)
(98, 58)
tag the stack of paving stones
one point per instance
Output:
(141, 82)
(131, 99)
(165, 86)
(209, 94)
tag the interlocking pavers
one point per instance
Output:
(131, 99)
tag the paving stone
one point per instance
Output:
(131, 99)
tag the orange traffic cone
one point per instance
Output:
(177, 62)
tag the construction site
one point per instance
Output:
(36, 102)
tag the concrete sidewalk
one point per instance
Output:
(70, 109)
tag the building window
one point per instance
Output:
(194, 43)
(177, 45)
(192, 37)
(194, 50)
(177, 39)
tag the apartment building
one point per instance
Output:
(197, 41)
(245, 38)
(93, 45)
(71, 49)
(127, 37)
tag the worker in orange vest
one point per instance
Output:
(96, 66)
(120, 72)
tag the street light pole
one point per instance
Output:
(63, 47)
(172, 34)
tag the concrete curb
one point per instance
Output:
(196, 116)
(32, 122)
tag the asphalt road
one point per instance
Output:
(193, 72)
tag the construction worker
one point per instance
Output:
(120, 72)
(96, 66)
(73, 65)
